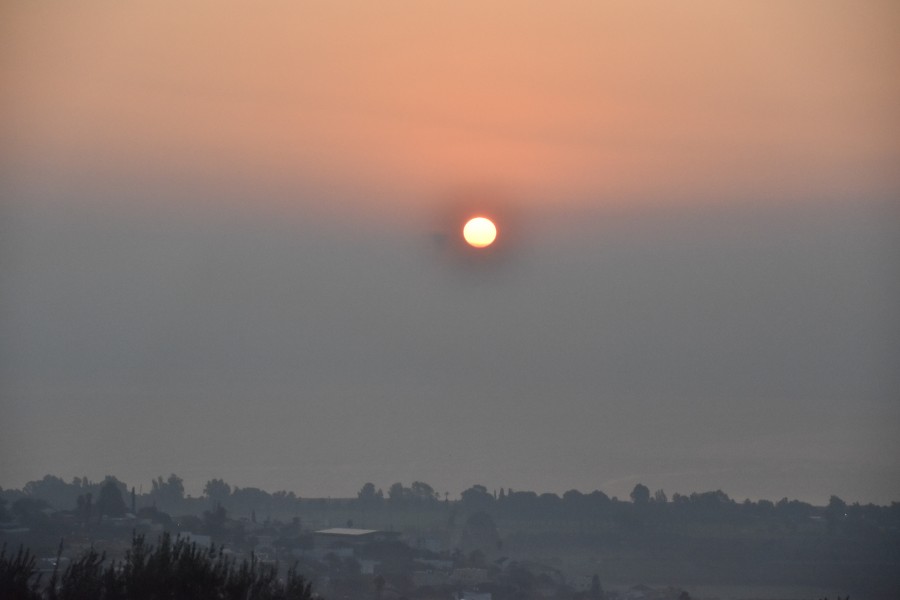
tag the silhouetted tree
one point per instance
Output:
(52, 489)
(477, 498)
(168, 493)
(172, 569)
(367, 496)
(573, 497)
(422, 492)
(110, 502)
(549, 504)
(640, 494)
(250, 499)
(834, 513)
(598, 499)
(792, 512)
(217, 491)
(397, 494)
(19, 575)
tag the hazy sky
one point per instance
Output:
(229, 245)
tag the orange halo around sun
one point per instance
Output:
(480, 232)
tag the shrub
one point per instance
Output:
(173, 569)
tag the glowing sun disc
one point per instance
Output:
(480, 232)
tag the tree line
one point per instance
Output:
(112, 497)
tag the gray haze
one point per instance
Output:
(751, 348)
(229, 245)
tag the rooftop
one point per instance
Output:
(346, 531)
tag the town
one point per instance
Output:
(486, 545)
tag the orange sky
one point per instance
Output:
(613, 102)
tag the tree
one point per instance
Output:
(367, 496)
(477, 498)
(169, 492)
(640, 494)
(422, 492)
(171, 569)
(598, 498)
(549, 503)
(250, 499)
(659, 496)
(397, 493)
(217, 490)
(711, 500)
(110, 502)
(834, 513)
(52, 489)
(573, 497)
(19, 576)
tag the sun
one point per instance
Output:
(480, 232)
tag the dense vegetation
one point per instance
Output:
(173, 569)
(702, 537)
(111, 497)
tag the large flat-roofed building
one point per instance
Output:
(346, 532)
(344, 536)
